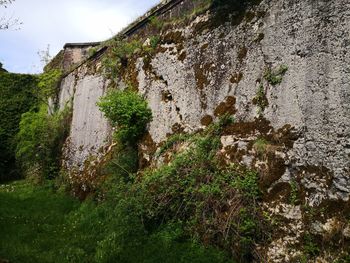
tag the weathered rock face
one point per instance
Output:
(230, 61)
(201, 72)
(89, 129)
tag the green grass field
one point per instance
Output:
(32, 223)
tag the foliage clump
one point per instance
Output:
(39, 142)
(128, 111)
(120, 50)
(275, 76)
(17, 96)
(48, 84)
(260, 99)
(260, 145)
(214, 203)
(42, 130)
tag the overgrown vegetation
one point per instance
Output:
(42, 131)
(111, 231)
(48, 84)
(17, 96)
(40, 140)
(120, 50)
(192, 200)
(168, 214)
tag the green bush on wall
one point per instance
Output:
(128, 111)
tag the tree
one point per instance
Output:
(8, 22)
(2, 69)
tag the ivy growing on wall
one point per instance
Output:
(17, 96)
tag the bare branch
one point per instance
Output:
(8, 22)
(5, 3)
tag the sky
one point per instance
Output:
(56, 22)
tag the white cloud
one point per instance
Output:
(58, 22)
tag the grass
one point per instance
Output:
(32, 223)
(40, 225)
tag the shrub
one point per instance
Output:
(216, 204)
(40, 139)
(128, 111)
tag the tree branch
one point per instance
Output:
(8, 22)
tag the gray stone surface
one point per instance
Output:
(311, 37)
(90, 130)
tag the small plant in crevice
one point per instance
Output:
(171, 141)
(156, 22)
(154, 41)
(260, 99)
(275, 76)
(293, 197)
(310, 247)
(260, 145)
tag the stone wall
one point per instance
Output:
(201, 72)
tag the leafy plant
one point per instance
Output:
(39, 141)
(48, 84)
(293, 198)
(275, 76)
(128, 111)
(260, 99)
